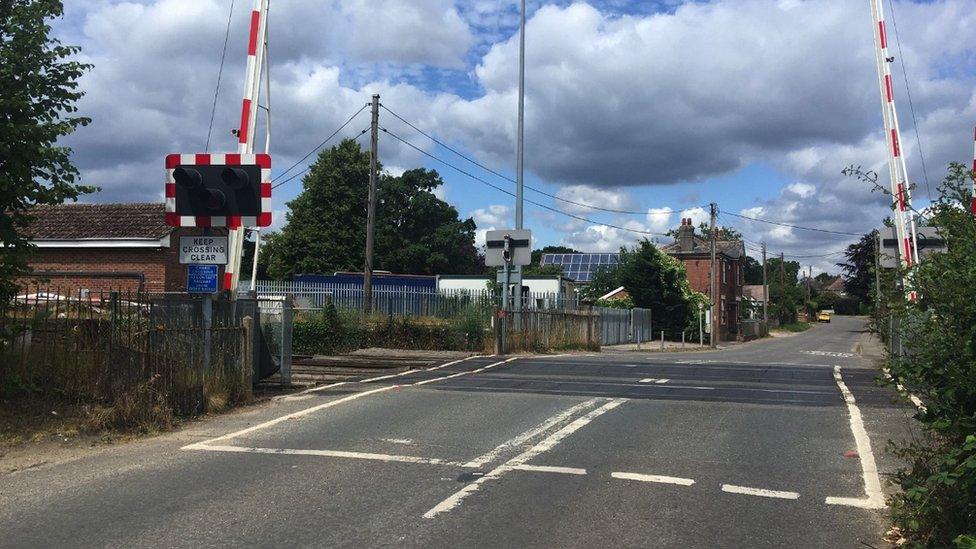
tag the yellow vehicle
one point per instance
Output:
(824, 316)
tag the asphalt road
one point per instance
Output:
(775, 443)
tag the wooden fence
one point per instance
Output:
(545, 331)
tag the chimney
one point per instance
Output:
(686, 236)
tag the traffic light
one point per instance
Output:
(218, 190)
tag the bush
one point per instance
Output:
(847, 306)
(329, 332)
(937, 504)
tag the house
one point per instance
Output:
(694, 252)
(754, 294)
(837, 286)
(106, 247)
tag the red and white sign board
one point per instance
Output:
(246, 207)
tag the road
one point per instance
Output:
(774, 443)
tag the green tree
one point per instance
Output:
(38, 91)
(859, 268)
(654, 280)
(416, 232)
(785, 294)
(753, 272)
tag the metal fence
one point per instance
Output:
(101, 348)
(620, 326)
(401, 301)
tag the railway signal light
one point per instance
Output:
(218, 190)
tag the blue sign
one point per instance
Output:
(201, 279)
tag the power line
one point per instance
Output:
(320, 145)
(505, 177)
(509, 193)
(781, 224)
(299, 174)
(911, 104)
(220, 71)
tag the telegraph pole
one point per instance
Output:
(782, 283)
(713, 279)
(877, 270)
(371, 206)
(520, 146)
(765, 289)
(809, 280)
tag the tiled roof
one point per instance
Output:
(145, 221)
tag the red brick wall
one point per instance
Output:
(160, 267)
(730, 287)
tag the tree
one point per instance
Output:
(859, 268)
(753, 272)
(38, 91)
(653, 280)
(416, 232)
(785, 297)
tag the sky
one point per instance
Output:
(657, 108)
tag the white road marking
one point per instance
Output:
(869, 468)
(326, 453)
(661, 479)
(315, 389)
(654, 380)
(479, 370)
(331, 403)
(901, 389)
(660, 381)
(829, 353)
(381, 378)
(551, 469)
(545, 445)
(397, 440)
(531, 433)
(646, 380)
(761, 492)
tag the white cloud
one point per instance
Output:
(659, 219)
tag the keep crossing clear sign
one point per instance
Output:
(203, 250)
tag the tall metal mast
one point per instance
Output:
(898, 169)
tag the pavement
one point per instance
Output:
(776, 443)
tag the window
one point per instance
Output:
(725, 269)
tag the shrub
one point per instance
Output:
(937, 504)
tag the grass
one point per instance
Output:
(795, 327)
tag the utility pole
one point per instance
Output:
(713, 280)
(809, 280)
(765, 289)
(371, 206)
(782, 283)
(520, 149)
(877, 270)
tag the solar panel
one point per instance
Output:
(580, 267)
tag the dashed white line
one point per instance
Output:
(545, 445)
(550, 469)
(660, 381)
(391, 376)
(761, 492)
(531, 433)
(869, 468)
(660, 479)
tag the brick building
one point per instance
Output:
(694, 252)
(103, 247)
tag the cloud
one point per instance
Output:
(613, 100)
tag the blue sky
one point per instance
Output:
(654, 107)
